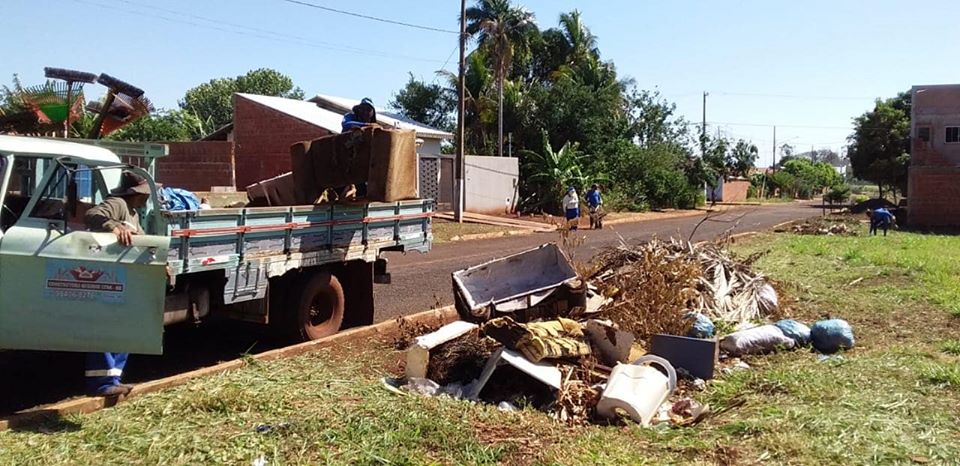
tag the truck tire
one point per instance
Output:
(319, 306)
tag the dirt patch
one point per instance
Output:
(408, 331)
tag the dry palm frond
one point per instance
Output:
(662, 280)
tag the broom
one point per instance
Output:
(115, 87)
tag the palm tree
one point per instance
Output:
(581, 43)
(501, 28)
(480, 109)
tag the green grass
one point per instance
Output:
(894, 398)
(951, 347)
(445, 231)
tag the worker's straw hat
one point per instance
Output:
(130, 184)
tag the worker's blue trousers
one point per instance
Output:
(103, 370)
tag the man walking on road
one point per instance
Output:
(117, 214)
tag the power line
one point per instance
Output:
(793, 96)
(223, 26)
(371, 18)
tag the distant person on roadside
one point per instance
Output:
(595, 204)
(880, 218)
(363, 114)
(204, 203)
(117, 214)
(571, 206)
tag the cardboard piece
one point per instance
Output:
(544, 373)
(697, 355)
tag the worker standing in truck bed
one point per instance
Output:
(117, 214)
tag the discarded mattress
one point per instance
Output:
(511, 283)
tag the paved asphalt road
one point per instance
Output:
(420, 281)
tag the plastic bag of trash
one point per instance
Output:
(762, 339)
(830, 336)
(702, 325)
(797, 331)
(767, 299)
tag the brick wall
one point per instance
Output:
(933, 185)
(933, 196)
(263, 137)
(735, 190)
(197, 165)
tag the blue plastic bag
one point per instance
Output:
(175, 199)
(796, 331)
(830, 336)
(702, 326)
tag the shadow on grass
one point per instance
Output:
(42, 422)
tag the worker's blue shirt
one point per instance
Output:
(882, 216)
(350, 122)
(593, 198)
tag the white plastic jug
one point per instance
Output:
(638, 389)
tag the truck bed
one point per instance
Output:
(277, 239)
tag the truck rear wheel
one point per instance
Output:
(319, 306)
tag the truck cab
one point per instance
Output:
(65, 288)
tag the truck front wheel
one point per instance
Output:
(319, 307)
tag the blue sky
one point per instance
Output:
(807, 67)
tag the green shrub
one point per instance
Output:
(838, 194)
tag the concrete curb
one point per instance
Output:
(497, 234)
(91, 404)
(522, 232)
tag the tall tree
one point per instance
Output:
(879, 146)
(162, 126)
(212, 101)
(480, 108)
(432, 104)
(501, 28)
(742, 158)
(581, 43)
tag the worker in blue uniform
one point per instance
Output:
(118, 215)
(880, 218)
(363, 114)
(595, 204)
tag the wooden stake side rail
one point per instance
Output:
(232, 237)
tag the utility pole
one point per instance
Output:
(703, 129)
(774, 148)
(461, 110)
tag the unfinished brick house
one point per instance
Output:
(933, 189)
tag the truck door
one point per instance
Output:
(66, 289)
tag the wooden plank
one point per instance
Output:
(91, 404)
